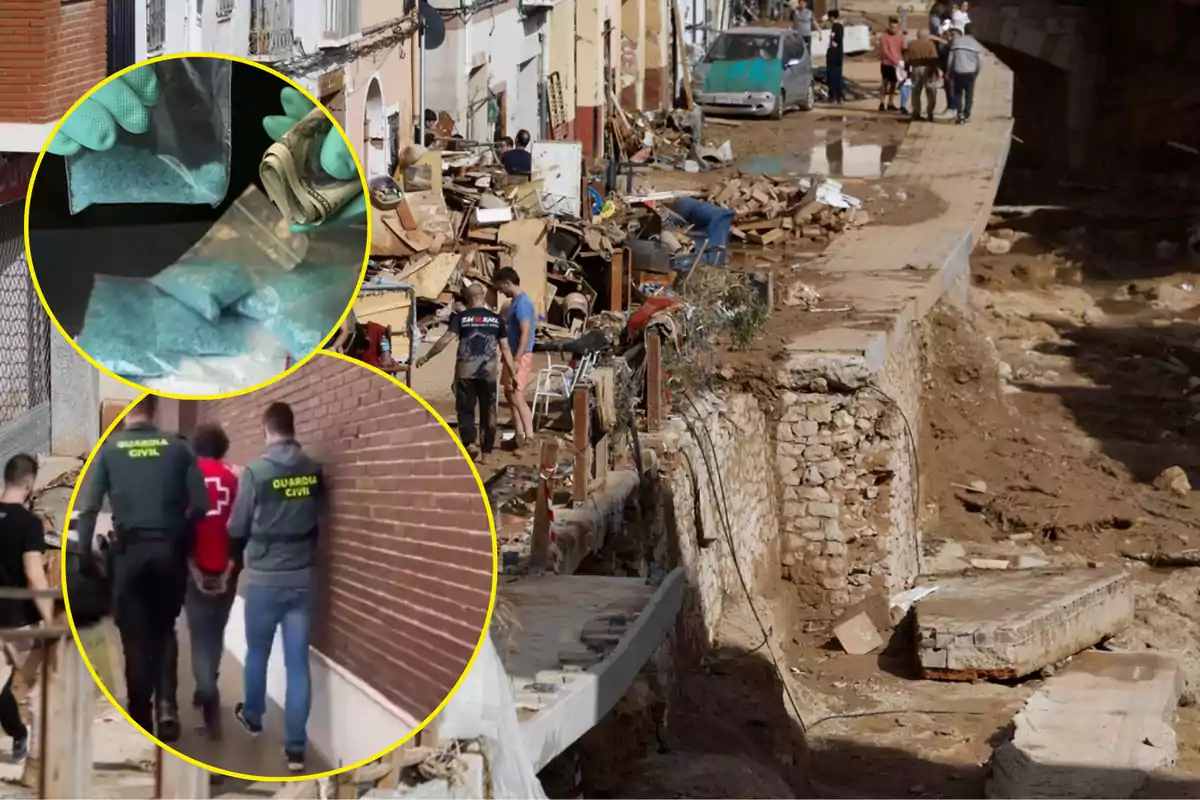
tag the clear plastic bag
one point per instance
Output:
(290, 288)
(206, 287)
(183, 156)
(304, 326)
(116, 328)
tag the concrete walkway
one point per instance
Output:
(892, 277)
(237, 751)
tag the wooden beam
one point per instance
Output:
(616, 280)
(681, 49)
(68, 711)
(581, 441)
(654, 380)
(539, 546)
(176, 779)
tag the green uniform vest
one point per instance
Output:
(287, 509)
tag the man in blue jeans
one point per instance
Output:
(274, 523)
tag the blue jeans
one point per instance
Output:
(207, 616)
(269, 608)
(964, 93)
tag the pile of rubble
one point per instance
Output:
(768, 209)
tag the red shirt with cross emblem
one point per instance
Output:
(210, 551)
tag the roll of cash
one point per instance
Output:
(292, 176)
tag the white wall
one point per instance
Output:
(500, 49)
(349, 720)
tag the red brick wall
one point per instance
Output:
(409, 557)
(51, 52)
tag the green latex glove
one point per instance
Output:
(336, 158)
(95, 123)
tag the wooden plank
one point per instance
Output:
(176, 779)
(616, 280)
(681, 50)
(769, 237)
(539, 546)
(68, 709)
(654, 380)
(298, 790)
(581, 443)
(602, 459)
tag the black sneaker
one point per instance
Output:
(20, 749)
(167, 727)
(294, 758)
(240, 716)
(882, 107)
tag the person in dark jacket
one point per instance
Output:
(273, 529)
(835, 59)
(156, 491)
(518, 160)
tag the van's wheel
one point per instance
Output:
(780, 105)
(810, 98)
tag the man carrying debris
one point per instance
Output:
(922, 59)
(157, 492)
(891, 53)
(275, 521)
(213, 575)
(966, 58)
(22, 566)
(482, 343)
(518, 160)
(521, 323)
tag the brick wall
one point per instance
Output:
(51, 52)
(409, 557)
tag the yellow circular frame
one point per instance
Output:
(362, 273)
(318, 775)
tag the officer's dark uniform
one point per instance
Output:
(156, 492)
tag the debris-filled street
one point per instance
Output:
(1051, 454)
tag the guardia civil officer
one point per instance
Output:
(156, 492)
(274, 524)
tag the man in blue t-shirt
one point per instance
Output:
(518, 160)
(521, 323)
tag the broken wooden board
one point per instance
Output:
(430, 276)
(768, 237)
(527, 255)
(385, 308)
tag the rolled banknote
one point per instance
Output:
(291, 173)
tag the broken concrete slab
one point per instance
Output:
(1009, 624)
(1095, 729)
(858, 635)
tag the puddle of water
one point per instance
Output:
(836, 158)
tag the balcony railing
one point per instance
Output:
(156, 26)
(271, 29)
(225, 9)
(342, 19)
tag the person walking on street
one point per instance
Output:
(156, 492)
(966, 59)
(891, 53)
(212, 575)
(521, 323)
(482, 347)
(922, 58)
(802, 23)
(22, 566)
(274, 528)
(835, 59)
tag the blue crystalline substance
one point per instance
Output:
(206, 287)
(306, 281)
(125, 174)
(180, 331)
(117, 328)
(303, 327)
